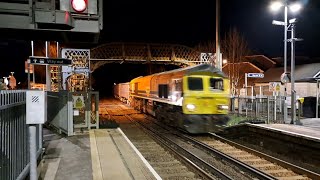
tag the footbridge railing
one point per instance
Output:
(147, 53)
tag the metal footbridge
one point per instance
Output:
(147, 53)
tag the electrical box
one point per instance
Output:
(36, 105)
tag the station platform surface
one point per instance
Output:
(309, 129)
(98, 154)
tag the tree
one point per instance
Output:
(206, 47)
(234, 47)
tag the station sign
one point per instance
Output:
(50, 61)
(255, 75)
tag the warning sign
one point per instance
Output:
(78, 102)
(274, 86)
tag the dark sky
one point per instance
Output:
(188, 23)
(191, 22)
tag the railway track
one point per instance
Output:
(274, 167)
(219, 165)
(164, 163)
(209, 156)
(252, 160)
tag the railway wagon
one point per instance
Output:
(121, 92)
(194, 99)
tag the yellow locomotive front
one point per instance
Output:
(205, 102)
(194, 99)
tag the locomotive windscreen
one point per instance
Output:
(195, 84)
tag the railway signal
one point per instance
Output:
(79, 6)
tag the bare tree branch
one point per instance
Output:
(234, 48)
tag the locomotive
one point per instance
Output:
(194, 99)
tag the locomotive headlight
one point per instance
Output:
(190, 107)
(223, 107)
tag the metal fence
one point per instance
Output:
(87, 115)
(14, 144)
(60, 112)
(268, 109)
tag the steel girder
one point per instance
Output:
(145, 53)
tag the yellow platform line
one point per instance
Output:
(154, 173)
(96, 167)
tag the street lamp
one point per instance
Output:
(295, 7)
(224, 61)
(276, 6)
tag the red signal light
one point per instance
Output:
(79, 5)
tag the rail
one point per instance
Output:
(189, 158)
(295, 168)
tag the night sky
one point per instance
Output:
(191, 22)
(187, 23)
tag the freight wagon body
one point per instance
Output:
(121, 92)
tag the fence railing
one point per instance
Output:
(60, 112)
(268, 109)
(14, 144)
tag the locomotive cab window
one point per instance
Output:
(216, 84)
(195, 84)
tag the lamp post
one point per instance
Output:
(276, 6)
(295, 7)
(218, 58)
(293, 92)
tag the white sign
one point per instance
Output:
(76, 112)
(36, 107)
(255, 75)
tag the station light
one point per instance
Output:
(224, 61)
(275, 6)
(295, 7)
(79, 5)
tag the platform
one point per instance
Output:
(310, 129)
(97, 154)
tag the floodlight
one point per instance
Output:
(275, 6)
(295, 7)
(224, 61)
